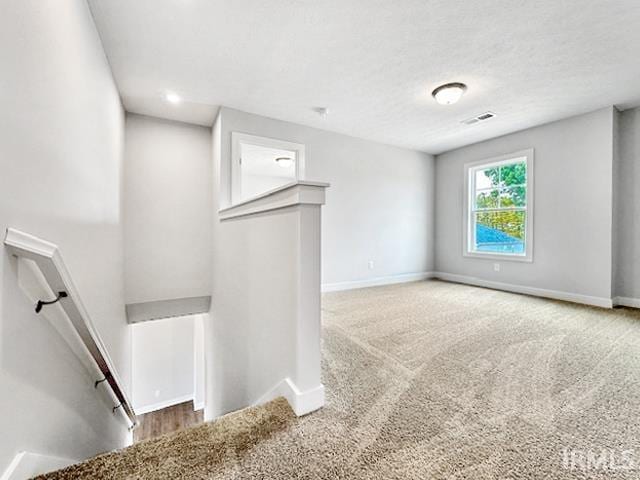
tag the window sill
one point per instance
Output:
(497, 256)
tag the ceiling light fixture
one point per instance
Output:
(449, 93)
(172, 97)
(284, 162)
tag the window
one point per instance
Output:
(260, 164)
(499, 207)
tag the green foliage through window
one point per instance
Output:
(499, 204)
(508, 187)
(511, 222)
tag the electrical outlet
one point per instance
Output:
(370, 264)
(157, 393)
(496, 267)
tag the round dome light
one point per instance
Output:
(449, 93)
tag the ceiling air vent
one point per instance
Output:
(479, 118)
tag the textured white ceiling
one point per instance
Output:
(373, 63)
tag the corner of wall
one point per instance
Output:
(301, 402)
(587, 149)
(615, 207)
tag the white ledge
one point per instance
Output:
(159, 309)
(298, 193)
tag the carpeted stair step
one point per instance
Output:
(204, 451)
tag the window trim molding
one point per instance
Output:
(528, 154)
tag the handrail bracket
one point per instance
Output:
(42, 303)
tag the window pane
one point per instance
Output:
(488, 178)
(513, 197)
(514, 174)
(500, 232)
(261, 172)
(487, 199)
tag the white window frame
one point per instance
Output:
(238, 139)
(469, 193)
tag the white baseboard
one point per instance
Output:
(198, 406)
(28, 465)
(373, 282)
(537, 292)
(301, 402)
(160, 405)
(627, 302)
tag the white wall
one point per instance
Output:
(239, 268)
(214, 346)
(266, 294)
(163, 363)
(61, 142)
(258, 184)
(572, 249)
(167, 210)
(379, 207)
(199, 373)
(627, 280)
(251, 308)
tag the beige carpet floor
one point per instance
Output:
(432, 380)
